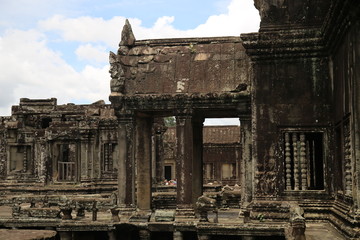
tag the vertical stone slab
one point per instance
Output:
(65, 235)
(126, 161)
(197, 182)
(159, 130)
(84, 150)
(111, 235)
(188, 160)
(204, 237)
(177, 235)
(184, 158)
(247, 181)
(355, 136)
(356, 115)
(143, 162)
(144, 234)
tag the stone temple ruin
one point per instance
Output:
(97, 171)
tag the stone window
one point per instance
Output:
(20, 158)
(67, 162)
(45, 122)
(304, 160)
(228, 171)
(208, 171)
(168, 172)
(108, 158)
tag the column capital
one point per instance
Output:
(184, 112)
(245, 119)
(122, 113)
(144, 234)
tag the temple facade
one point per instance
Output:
(291, 173)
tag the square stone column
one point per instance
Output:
(126, 161)
(188, 160)
(247, 165)
(158, 148)
(143, 154)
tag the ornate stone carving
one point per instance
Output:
(117, 83)
(203, 205)
(296, 230)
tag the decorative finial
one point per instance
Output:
(127, 35)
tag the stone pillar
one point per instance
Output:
(177, 235)
(112, 235)
(355, 123)
(143, 160)
(247, 238)
(159, 130)
(126, 161)
(204, 237)
(144, 234)
(188, 161)
(247, 181)
(65, 235)
(197, 187)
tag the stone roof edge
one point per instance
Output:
(185, 41)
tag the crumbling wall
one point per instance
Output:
(3, 155)
(171, 66)
(39, 128)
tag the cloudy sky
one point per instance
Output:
(60, 48)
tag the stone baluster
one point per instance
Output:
(303, 162)
(287, 161)
(94, 210)
(296, 162)
(25, 162)
(110, 157)
(144, 234)
(106, 157)
(347, 158)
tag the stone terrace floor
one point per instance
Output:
(314, 231)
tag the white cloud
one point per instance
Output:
(241, 17)
(87, 29)
(30, 68)
(91, 53)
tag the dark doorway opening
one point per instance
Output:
(167, 172)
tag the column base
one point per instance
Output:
(185, 212)
(140, 216)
